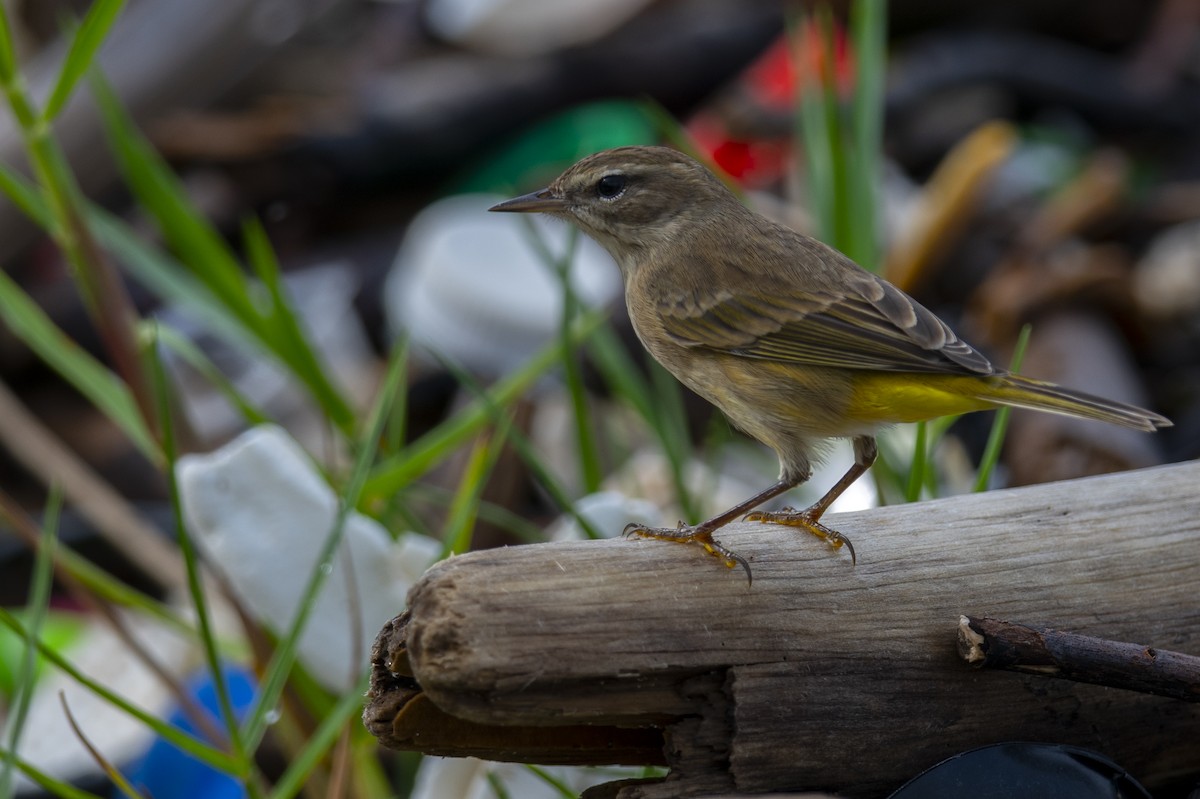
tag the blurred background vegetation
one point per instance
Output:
(252, 236)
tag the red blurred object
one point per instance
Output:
(771, 85)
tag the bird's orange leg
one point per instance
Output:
(865, 452)
(702, 534)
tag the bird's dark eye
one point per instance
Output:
(610, 187)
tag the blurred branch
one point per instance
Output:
(46, 456)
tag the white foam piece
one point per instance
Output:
(261, 512)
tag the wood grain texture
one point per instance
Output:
(823, 676)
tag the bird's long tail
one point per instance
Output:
(1024, 392)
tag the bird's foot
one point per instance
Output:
(687, 534)
(806, 520)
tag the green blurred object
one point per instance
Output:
(59, 631)
(545, 149)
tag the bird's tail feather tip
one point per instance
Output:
(1025, 392)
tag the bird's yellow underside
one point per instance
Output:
(890, 398)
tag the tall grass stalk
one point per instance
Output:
(591, 469)
(195, 583)
(103, 294)
(281, 663)
(542, 473)
(37, 605)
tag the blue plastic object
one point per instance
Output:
(167, 773)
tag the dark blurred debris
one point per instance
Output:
(1164, 53)
(426, 116)
(1081, 350)
(160, 55)
(1046, 264)
(1076, 295)
(947, 83)
(322, 297)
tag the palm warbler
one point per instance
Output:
(791, 339)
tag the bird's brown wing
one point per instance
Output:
(870, 325)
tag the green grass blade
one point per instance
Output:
(393, 437)
(170, 280)
(868, 32)
(8, 59)
(119, 781)
(281, 663)
(100, 386)
(813, 129)
(489, 512)
(420, 456)
(54, 787)
(676, 135)
(464, 510)
(210, 260)
(191, 562)
(285, 330)
(237, 323)
(995, 442)
(558, 785)
(497, 785)
(827, 90)
(590, 468)
(38, 604)
(27, 197)
(114, 591)
(890, 484)
(523, 448)
(193, 356)
(937, 431)
(202, 249)
(670, 422)
(658, 400)
(203, 752)
(620, 372)
(321, 741)
(84, 44)
(916, 470)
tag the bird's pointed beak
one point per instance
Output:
(543, 200)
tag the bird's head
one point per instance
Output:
(631, 199)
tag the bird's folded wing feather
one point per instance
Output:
(871, 325)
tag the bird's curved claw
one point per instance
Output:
(683, 534)
(804, 519)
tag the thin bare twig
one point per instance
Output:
(992, 643)
(113, 773)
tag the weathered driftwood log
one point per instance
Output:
(820, 676)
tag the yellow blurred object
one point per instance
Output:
(948, 200)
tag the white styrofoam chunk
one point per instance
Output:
(471, 285)
(261, 513)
